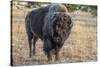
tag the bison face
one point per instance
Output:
(62, 25)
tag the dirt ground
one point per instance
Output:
(81, 45)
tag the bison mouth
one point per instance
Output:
(57, 38)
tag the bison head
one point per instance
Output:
(60, 27)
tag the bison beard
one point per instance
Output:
(52, 25)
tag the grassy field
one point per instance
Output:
(81, 45)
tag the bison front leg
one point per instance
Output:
(57, 53)
(30, 45)
(47, 47)
(49, 56)
(34, 42)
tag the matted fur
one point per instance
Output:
(52, 24)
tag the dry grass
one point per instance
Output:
(80, 46)
(83, 43)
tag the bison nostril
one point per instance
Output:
(58, 39)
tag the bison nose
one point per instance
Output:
(58, 39)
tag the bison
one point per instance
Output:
(52, 25)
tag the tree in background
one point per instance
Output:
(34, 4)
(71, 7)
(86, 8)
(93, 10)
